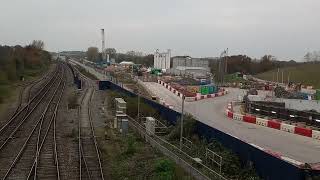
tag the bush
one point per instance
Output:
(188, 128)
(164, 169)
(130, 145)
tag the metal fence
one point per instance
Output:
(180, 157)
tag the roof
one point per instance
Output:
(183, 68)
(126, 63)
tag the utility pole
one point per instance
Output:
(226, 62)
(181, 121)
(273, 77)
(223, 61)
(138, 116)
(278, 76)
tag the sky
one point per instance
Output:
(286, 29)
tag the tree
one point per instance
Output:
(112, 52)
(92, 54)
(135, 53)
(37, 44)
(266, 62)
(308, 57)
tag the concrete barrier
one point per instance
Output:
(190, 99)
(316, 134)
(287, 128)
(262, 122)
(274, 124)
(249, 119)
(303, 131)
(237, 117)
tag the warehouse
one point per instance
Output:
(195, 72)
(188, 61)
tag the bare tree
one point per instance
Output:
(312, 56)
(92, 54)
(308, 57)
(38, 44)
(112, 52)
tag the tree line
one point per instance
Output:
(18, 61)
(247, 65)
(133, 56)
(235, 63)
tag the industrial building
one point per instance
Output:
(187, 66)
(187, 61)
(162, 60)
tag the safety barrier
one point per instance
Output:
(274, 124)
(249, 119)
(262, 122)
(238, 117)
(287, 128)
(303, 131)
(316, 134)
(192, 98)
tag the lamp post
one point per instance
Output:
(181, 121)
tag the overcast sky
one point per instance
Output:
(286, 29)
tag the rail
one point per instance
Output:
(89, 91)
(28, 104)
(23, 120)
(39, 121)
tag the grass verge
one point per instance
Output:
(307, 74)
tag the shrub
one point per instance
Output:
(164, 169)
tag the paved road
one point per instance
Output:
(211, 112)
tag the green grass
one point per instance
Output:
(307, 74)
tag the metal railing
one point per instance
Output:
(204, 172)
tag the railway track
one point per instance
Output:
(28, 89)
(21, 115)
(89, 153)
(28, 143)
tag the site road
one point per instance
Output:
(212, 112)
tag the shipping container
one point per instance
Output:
(204, 90)
(213, 89)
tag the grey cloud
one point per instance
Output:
(285, 28)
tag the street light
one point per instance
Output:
(181, 121)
